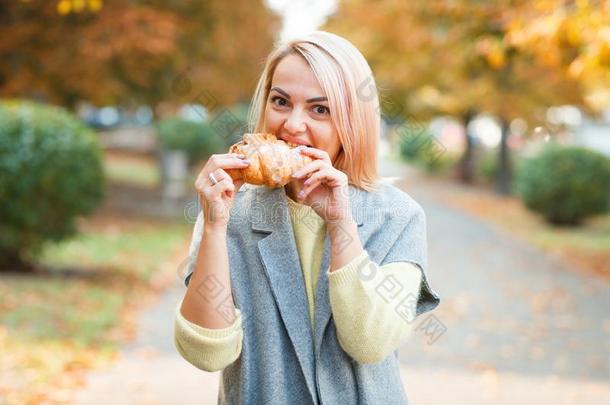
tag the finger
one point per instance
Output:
(218, 163)
(316, 153)
(226, 161)
(204, 183)
(203, 180)
(224, 188)
(316, 180)
(330, 177)
(320, 175)
(221, 176)
(308, 189)
(308, 168)
(237, 155)
(233, 185)
(224, 157)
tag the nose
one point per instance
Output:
(295, 122)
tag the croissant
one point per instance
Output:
(272, 161)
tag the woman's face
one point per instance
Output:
(297, 108)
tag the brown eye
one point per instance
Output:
(279, 101)
(320, 109)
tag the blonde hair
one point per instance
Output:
(348, 82)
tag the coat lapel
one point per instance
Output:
(322, 309)
(282, 266)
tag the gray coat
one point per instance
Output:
(284, 361)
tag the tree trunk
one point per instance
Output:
(12, 262)
(466, 163)
(504, 174)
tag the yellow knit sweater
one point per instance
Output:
(369, 324)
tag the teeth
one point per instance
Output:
(292, 144)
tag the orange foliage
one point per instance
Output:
(462, 52)
(132, 52)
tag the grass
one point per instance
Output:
(587, 246)
(81, 305)
(140, 171)
(137, 250)
(51, 309)
(594, 235)
(129, 169)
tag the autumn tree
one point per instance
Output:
(439, 57)
(570, 35)
(135, 52)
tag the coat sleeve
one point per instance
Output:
(374, 304)
(412, 246)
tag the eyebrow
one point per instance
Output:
(311, 100)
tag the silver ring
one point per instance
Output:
(212, 178)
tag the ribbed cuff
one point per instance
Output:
(208, 349)
(211, 332)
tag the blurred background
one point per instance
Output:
(496, 119)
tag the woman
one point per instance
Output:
(303, 294)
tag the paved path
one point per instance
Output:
(520, 328)
(150, 371)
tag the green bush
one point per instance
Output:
(565, 184)
(439, 164)
(410, 144)
(231, 123)
(50, 173)
(198, 139)
(487, 164)
(423, 149)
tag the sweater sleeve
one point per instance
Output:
(373, 306)
(208, 349)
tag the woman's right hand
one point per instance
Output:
(216, 200)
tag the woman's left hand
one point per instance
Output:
(326, 190)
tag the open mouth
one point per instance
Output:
(294, 144)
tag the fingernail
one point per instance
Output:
(295, 175)
(301, 193)
(246, 161)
